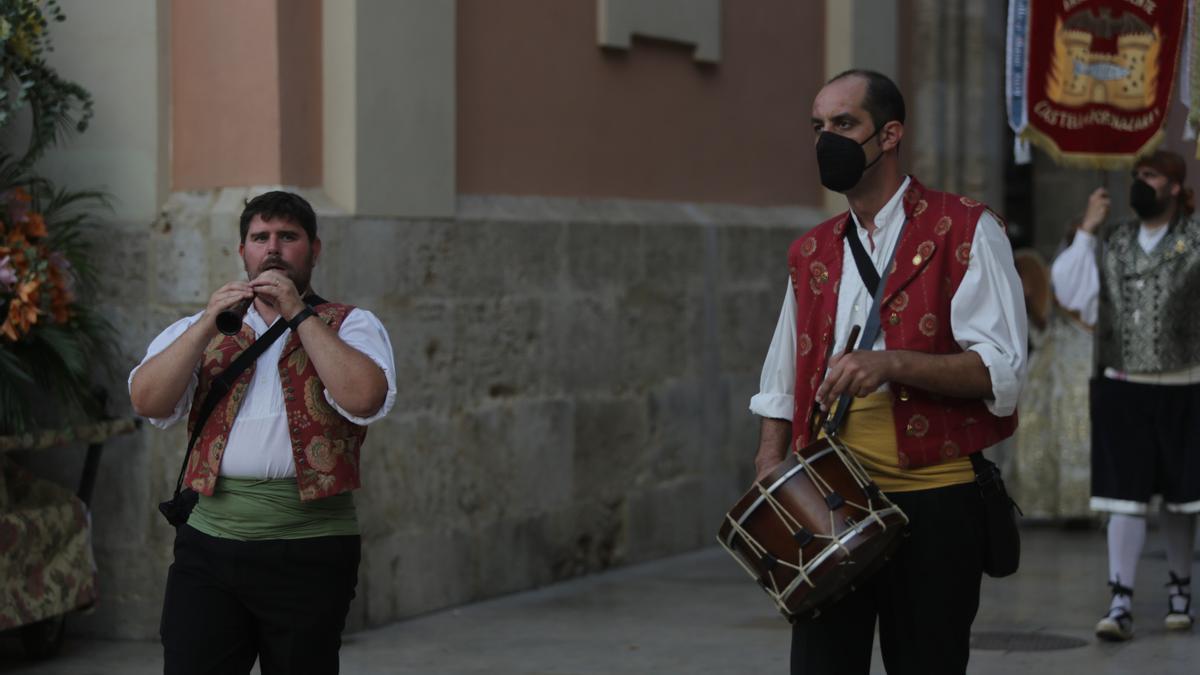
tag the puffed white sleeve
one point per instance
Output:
(364, 331)
(159, 343)
(987, 314)
(777, 384)
(1076, 278)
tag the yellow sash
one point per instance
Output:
(870, 434)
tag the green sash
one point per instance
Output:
(251, 509)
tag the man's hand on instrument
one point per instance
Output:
(278, 290)
(1098, 206)
(225, 297)
(858, 373)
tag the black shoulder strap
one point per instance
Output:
(871, 330)
(861, 260)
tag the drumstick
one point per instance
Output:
(822, 414)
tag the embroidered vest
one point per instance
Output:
(325, 445)
(1149, 302)
(930, 261)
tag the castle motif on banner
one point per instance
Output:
(1084, 72)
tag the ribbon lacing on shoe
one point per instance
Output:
(1177, 584)
(1118, 589)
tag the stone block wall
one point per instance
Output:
(573, 384)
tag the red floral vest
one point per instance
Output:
(325, 445)
(931, 259)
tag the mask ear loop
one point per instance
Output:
(877, 157)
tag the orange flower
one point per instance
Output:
(27, 292)
(7, 330)
(35, 226)
(21, 317)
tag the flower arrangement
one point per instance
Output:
(50, 337)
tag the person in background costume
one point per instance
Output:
(1139, 282)
(1049, 474)
(266, 565)
(940, 383)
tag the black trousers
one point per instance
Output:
(925, 597)
(1145, 441)
(283, 601)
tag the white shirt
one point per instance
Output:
(259, 445)
(1076, 280)
(987, 313)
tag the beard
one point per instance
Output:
(300, 276)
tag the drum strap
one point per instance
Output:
(871, 331)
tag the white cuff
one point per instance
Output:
(182, 407)
(775, 406)
(1006, 386)
(388, 401)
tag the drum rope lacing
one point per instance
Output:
(793, 525)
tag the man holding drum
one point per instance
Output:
(267, 562)
(939, 383)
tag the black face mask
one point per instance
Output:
(842, 161)
(1144, 200)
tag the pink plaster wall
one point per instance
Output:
(541, 109)
(245, 104)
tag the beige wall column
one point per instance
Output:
(389, 106)
(860, 34)
(958, 71)
(124, 150)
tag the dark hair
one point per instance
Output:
(278, 204)
(883, 100)
(1174, 167)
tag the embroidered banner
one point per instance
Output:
(1015, 61)
(1100, 77)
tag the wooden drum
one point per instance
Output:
(812, 528)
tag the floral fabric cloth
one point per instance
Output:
(46, 563)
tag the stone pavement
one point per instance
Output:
(697, 613)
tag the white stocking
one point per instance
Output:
(1179, 529)
(1126, 537)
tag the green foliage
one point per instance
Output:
(58, 106)
(51, 338)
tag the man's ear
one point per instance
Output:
(891, 135)
(1176, 188)
(316, 250)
